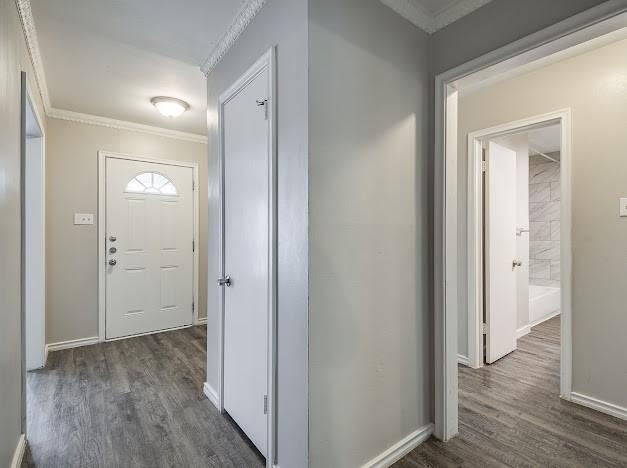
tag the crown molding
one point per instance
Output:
(416, 13)
(124, 125)
(32, 43)
(240, 22)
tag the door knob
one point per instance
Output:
(112, 238)
(226, 281)
(113, 262)
(113, 250)
(516, 263)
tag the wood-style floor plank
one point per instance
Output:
(131, 403)
(510, 414)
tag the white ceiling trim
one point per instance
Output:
(416, 13)
(30, 34)
(242, 19)
(124, 125)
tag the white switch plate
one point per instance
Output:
(83, 218)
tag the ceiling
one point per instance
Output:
(545, 140)
(432, 15)
(108, 58)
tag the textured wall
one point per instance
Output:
(370, 328)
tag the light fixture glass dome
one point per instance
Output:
(169, 106)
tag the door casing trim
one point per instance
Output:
(591, 23)
(266, 62)
(102, 225)
(475, 236)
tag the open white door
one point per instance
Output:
(247, 257)
(500, 252)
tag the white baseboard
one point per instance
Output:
(522, 331)
(545, 318)
(599, 405)
(401, 448)
(71, 344)
(16, 462)
(201, 321)
(463, 360)
(211, 394)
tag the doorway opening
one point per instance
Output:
(564, 43)
(34, 238)
(33, 245)
(514, 232)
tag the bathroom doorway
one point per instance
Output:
(516, 232)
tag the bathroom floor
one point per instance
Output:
(510, 414)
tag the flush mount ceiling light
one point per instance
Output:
(169, 106)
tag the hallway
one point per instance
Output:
(131, 403)
(511, 415)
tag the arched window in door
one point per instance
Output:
(153, 183)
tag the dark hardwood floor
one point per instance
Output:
(511, 416)
(131, 403)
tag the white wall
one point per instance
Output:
(369, 320)
(72, 187)
(592, 85)
(280, 23)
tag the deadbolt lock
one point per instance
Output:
(113, 250)
(113, 262)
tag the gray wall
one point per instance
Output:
(592, 85)
(72, 186)
(369, 320)
(497, 24)
(13, 59)
(282, 23)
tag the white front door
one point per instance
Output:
(149, 242)
(500, 251)
(246, 258)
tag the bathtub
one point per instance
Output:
(544, 303)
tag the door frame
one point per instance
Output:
(475, 217)
(267, 61)
(102, 234)
(43, 350)
(589, 24)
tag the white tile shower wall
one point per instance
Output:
(544, 221)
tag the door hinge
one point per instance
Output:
(265, 404)
(193, 306)
(264, 103)
(193, 246)
(484, 328)
(193, 185)
(484, 166)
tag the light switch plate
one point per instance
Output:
(83, 218)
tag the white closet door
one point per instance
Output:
(246, 258)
